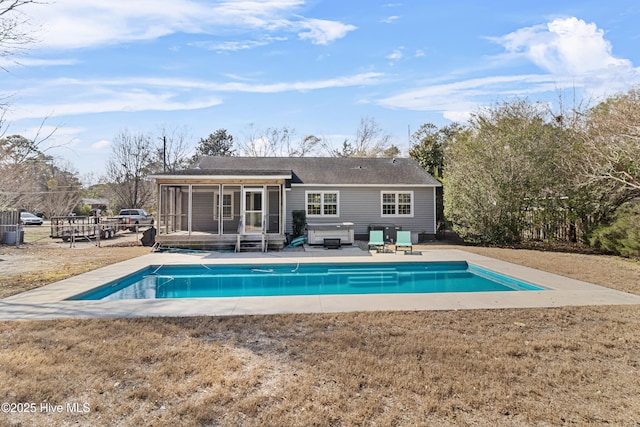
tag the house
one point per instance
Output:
(96, 205)
(231, 200)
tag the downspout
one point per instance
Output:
(435, 211)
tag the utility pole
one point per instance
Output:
(164, 153)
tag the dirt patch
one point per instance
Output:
(46, 261)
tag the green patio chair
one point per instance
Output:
(404, 241)
(376, 239)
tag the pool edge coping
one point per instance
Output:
(48, 302)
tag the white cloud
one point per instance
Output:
(572, 53)
(390, 19)
(395, 55)
(458, 99)
(101, 145)
(69, 24)
(155, 94)
(320, 31)
(457, 116)
(35, 62)
(52, 138)
(38, 133)
(564, 46)
(72, 24)
(234, 46)
(239, 78)
(231, 46)
(99, 86)
(115, 102)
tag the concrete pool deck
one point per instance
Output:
(49, 301)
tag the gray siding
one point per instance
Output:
(362, 206)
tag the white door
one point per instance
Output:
(252, 204)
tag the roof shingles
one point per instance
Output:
(320, 170)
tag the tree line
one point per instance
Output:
(519, 165)
(516, 170)
(135, 156)
(30, 179)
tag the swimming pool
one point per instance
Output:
(201, 281)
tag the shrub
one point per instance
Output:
(622, 235)
(494, 174)
(83, 210)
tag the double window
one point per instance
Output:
(326, 203)
(322, 203)
(397, 203)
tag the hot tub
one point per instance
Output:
(317, 232)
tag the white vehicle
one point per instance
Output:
(27, 218)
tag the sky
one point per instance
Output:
(316, 67)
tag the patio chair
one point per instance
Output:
(404, 241)
(376, 239)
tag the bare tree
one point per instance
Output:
(14, 35)
(255, 144)
(15, 151)
(132, 159)
(62, 189)
(611, 141)
(305, 146)
(277, 142)
(18, 155)
(369, 141)
(32, 180)
(174, 150)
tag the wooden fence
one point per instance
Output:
(9, 222)
(558, 225)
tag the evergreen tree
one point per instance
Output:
(219, 143)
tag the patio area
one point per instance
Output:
(49, 301)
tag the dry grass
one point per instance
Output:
(503, 367)
(563, 366)
(33, 266)
(610, 271)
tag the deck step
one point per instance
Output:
(251, 244)
(251, 247)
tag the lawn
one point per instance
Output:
(560, 366)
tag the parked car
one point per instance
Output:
(135, 218)
(27, 218)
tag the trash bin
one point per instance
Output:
(9, 237)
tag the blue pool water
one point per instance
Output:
(199, 281)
